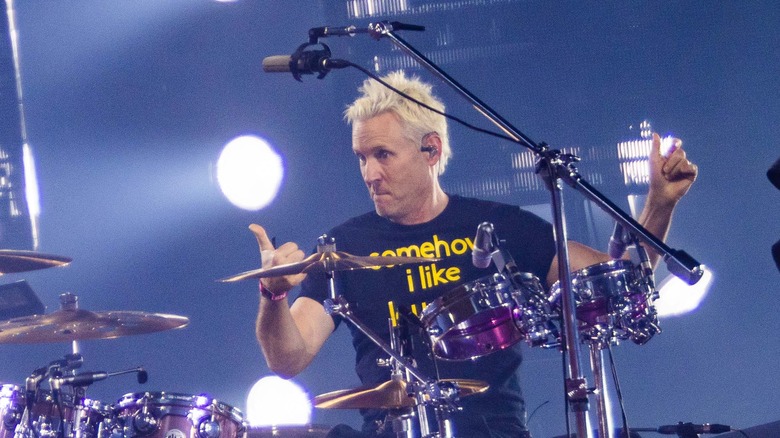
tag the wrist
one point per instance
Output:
(270, 295)
(660, 201)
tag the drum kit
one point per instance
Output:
(475, 319)
(63, 410)
(614, 301)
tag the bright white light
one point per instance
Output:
(273, 401)
(249, 172)
(678, 298)
(31, 190)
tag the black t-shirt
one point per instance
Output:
(376, 294)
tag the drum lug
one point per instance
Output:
(208, 429)
(144, 423)
(434, 331)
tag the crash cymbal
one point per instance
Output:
(22, 261)
(67, 325)
(389, 395)
(327, 261)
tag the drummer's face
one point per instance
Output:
(398, 176)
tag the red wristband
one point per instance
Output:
(270, 295)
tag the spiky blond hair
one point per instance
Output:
(416, 120)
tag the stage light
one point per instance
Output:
(678, 298)
(249, 172)
(274, 401)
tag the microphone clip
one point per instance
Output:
(302, 58)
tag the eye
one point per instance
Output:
(361, 158)
(381, 154)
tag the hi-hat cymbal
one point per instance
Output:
(67, 325)
(388, 395)
(327, 261)
(12, 261)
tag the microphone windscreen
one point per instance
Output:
(277, 64)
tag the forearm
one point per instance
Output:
(280, 338)
(656, 217)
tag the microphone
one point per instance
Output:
(774, 174)
(83, 379)
(306, 63)
(483, 245)
(683, 429)
(617, 242)
(142, 376)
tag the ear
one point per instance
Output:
(432, 145)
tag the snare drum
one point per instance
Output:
(474, 319)
(611, 298)
(171, 415)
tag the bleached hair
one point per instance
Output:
(416, 120)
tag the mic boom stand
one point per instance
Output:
(554, 167)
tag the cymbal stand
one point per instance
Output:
(442, 395)
(401, 420)
(28, 428)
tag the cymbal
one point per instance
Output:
(327, 261)
(12, 261)
(388, 395)
(66, 325)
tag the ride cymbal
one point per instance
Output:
(67, 325)
(392, 394)
(12, 261)
(327, 261)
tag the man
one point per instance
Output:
(402, 148)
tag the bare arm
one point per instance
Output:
(670, 179)
(289, 337)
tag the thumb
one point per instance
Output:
(655, 150)
(262, 238)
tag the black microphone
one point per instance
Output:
(774, 174)
(82, 379)
(690, 428)
(142, 376)
(617, 242)
(483, 245)
(307, 63)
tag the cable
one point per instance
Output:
(536, 409)
(626, 430)
(428, 107)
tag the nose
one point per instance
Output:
(371, 171)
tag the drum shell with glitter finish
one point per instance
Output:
(609, 294)
(474, 319)
(173, 415)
